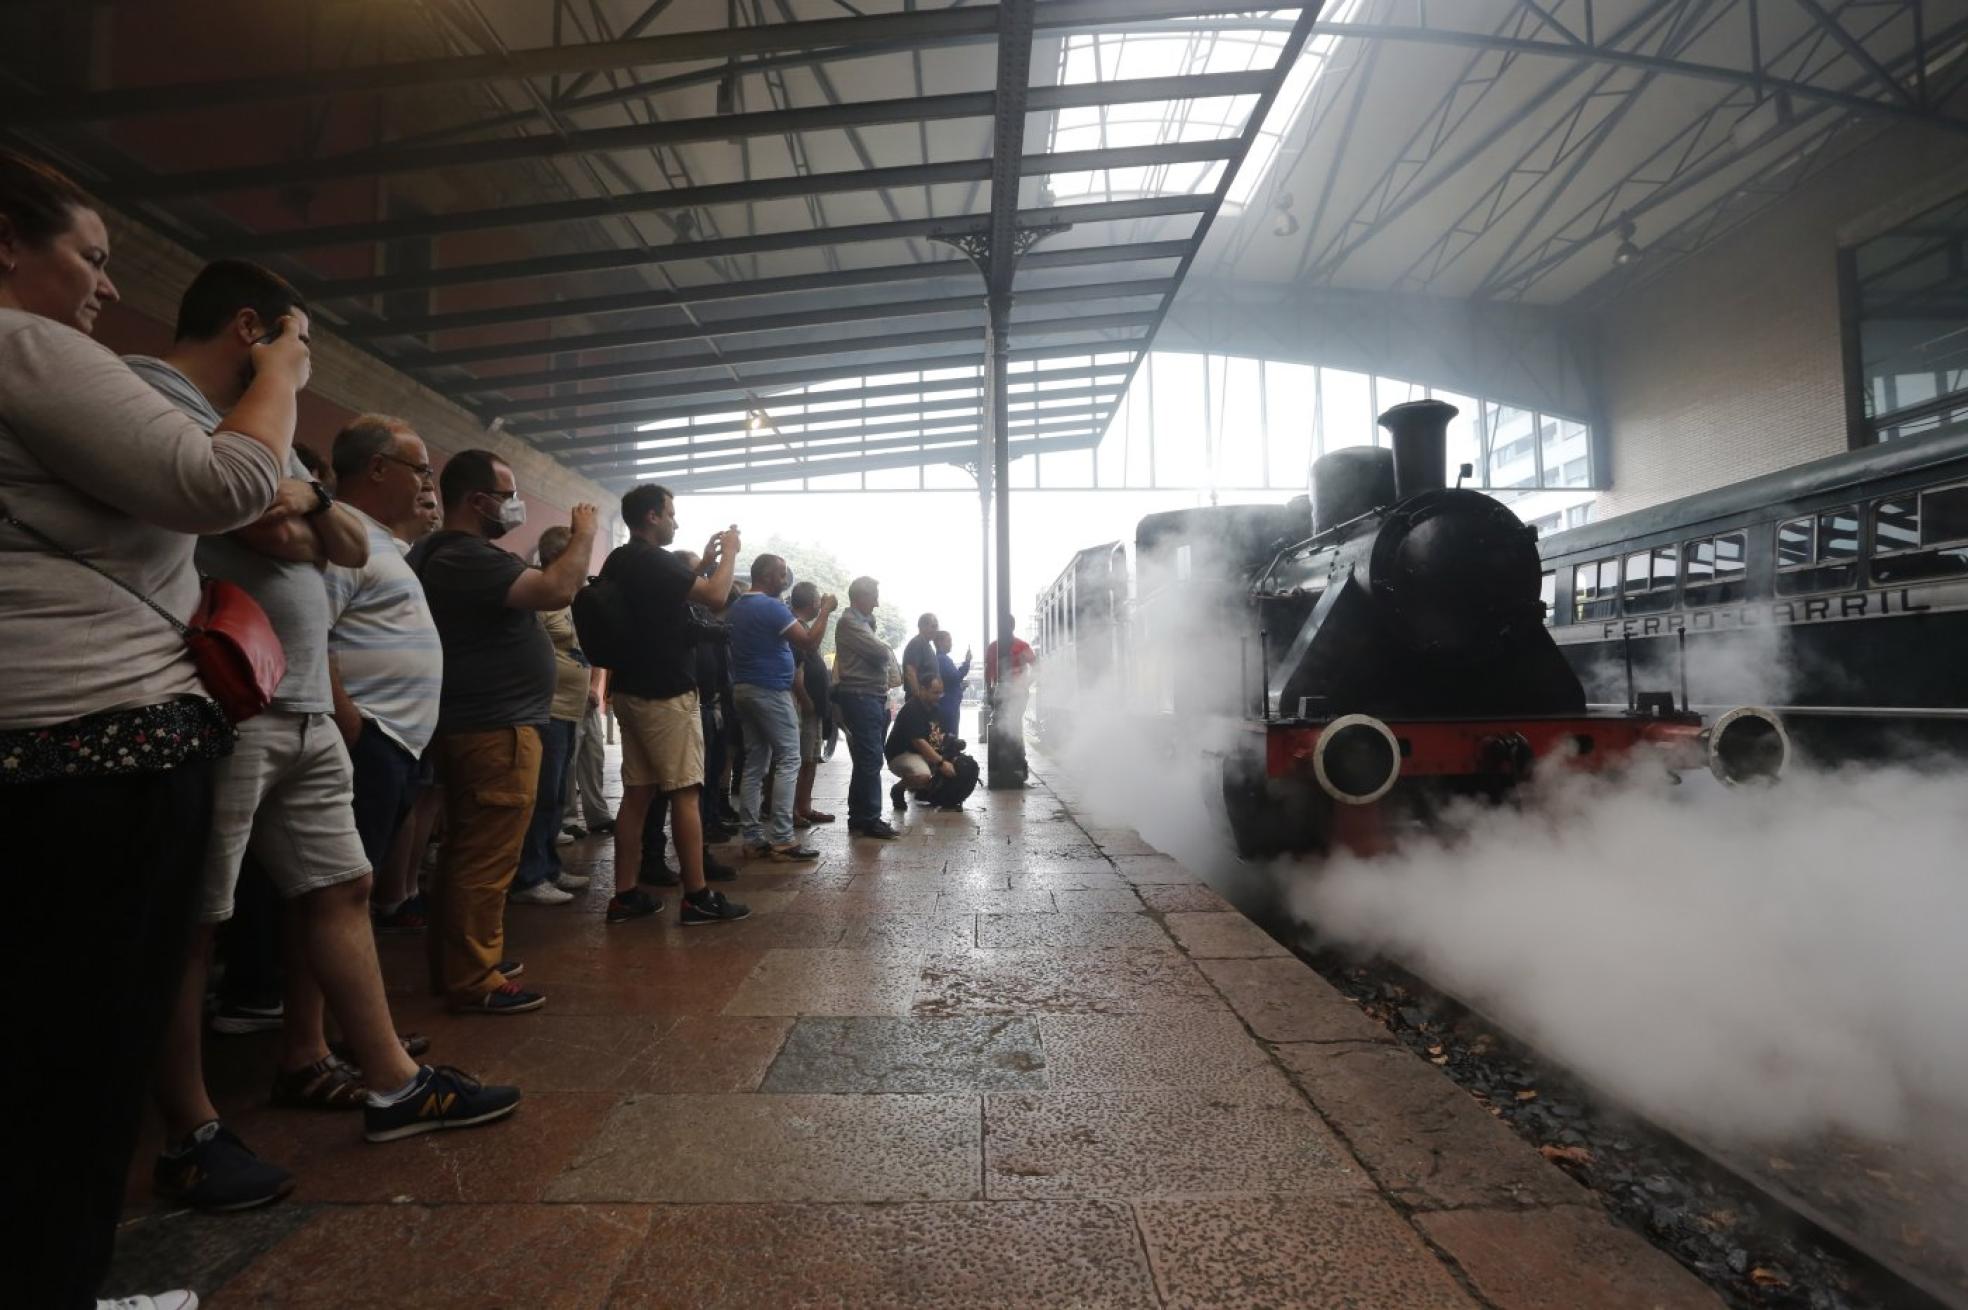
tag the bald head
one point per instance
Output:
(770, 575)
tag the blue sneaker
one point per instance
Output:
(443, 1098)
(213, 1170)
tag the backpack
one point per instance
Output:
(603, 624)
(953, 791)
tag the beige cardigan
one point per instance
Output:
(97, 460)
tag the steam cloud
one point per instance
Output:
(1756, 963)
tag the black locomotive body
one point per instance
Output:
(1349, 680)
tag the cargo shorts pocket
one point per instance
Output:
(497, 798)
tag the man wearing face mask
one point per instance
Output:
(498, 694)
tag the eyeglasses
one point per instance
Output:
(424, 471)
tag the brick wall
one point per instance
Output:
(1729, 364)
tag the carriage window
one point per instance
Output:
(1944, 516)
(1899, 529)
(1714, 569)
(1649, 583)
(1548, 593)
(1595, 590)
(1829, 554)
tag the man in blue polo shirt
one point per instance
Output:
(764, 637)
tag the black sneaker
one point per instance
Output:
(898, 797)
(574, 830)
(443, 1098)
(658, 875)
(720, 832)
(710, 906)
(237, 1018)
(600, 829)
(214, 1170)
(878, 828)
(632, 904)
(509, 999)
(715, 870)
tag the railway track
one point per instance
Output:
(1830, 1225)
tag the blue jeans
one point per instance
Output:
(539, 858)
(771, 721)
(864, 716)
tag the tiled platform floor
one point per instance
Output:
(1008, 1060)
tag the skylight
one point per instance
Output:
(1176, 50)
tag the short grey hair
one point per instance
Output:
(803, 594)
(553, 543)
(365, 437)
(860, 587)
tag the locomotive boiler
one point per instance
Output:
(1401, 659)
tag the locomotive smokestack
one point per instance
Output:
(1420, 432)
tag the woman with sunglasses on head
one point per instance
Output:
(107, 736)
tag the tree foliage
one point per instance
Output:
(818, 565)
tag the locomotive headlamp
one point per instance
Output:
(1748, 745)
(1357, 759)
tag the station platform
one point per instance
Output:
(1011, 1059)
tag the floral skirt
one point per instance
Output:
(117, 743)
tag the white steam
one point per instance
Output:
(1757, 962)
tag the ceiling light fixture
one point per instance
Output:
(1287, 223)
(1628, 252)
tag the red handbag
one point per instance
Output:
(237, 652)
(232, 642)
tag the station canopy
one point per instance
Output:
(723, 243)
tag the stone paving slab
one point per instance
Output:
(1563, 1258)
(1423, 1138)
(1001, 931)
(1257, 1253)
(560, 1257)
(1182, 898)
(1090, 980)
(998, 1256)
(1221, 936)
(1255, 1136)
(1114, 1052)
(848, 1056)
(842, 982)
(1284, 1001)
(756, 1147)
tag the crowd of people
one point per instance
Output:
(252, 685)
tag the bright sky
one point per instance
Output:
(923, 545)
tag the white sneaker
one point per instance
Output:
(573, 882)
(178, 1300)
(563, 838)
(540, 893)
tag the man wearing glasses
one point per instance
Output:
(385, 662)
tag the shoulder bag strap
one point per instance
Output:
(7, 517)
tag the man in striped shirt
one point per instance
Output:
(385, 662)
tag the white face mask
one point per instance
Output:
(512, 513)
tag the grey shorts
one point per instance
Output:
(286, 793)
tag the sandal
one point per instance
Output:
(326, 1084)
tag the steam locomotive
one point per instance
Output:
(1352, 681)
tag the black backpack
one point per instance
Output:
(957, 790)
(603, 623)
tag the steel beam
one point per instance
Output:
(1609, 54)
(957, 389)
(728, 193)
(579, 407)
(624, 302)
(800, 239)
(887, 401)
(958, 439)
(751, 475)
(793, 350)
(957, 412)
(824, 317)
(388, 160)
(882, 31)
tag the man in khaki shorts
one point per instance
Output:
(655, 696)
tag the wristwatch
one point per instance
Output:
(324, 500)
